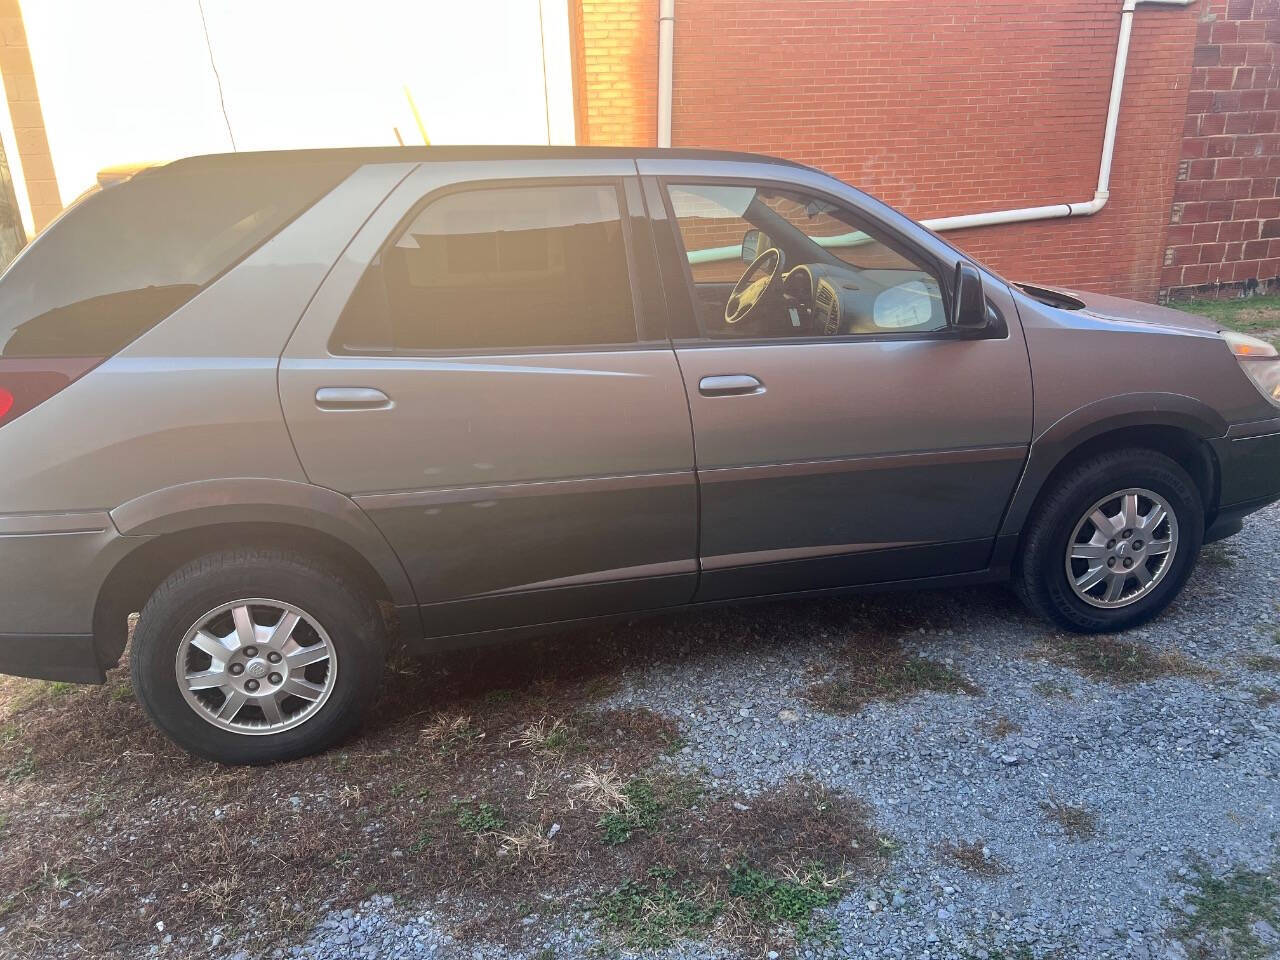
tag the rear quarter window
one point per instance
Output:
(124, 258)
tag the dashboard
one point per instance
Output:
(826, 300)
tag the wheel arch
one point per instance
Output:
(177, 524)
(1174, 425)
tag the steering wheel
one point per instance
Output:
(755, 287)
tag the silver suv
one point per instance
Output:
(297, 408)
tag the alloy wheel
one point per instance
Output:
(1122, 548)
(256, 666)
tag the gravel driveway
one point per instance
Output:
(1049, 815)
(696, 786)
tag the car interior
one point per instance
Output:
(810, 271)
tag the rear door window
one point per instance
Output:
(124, 258)
(499, 268)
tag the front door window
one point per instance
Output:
(769, 262)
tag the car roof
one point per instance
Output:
(356, 156)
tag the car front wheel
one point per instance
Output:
(1112, 543)
(255, 656)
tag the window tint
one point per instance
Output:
(852, 281)
(498, 268)
(124, 258)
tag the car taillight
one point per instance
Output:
(27, 383)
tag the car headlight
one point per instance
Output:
(1259, 360)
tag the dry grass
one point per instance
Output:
(1265, 696)
(545, 735)
(748, 873)
(103, 811)
(974, 855)
(109, 829)
(1078, 822)
(876, 667)
(1261, 662)
(1116, 660)
(1002, 727)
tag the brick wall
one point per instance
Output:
(618, 89)
(1224, 232)
(939, 109)
(28, 121)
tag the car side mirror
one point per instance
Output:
(753, 243)
(969, 308)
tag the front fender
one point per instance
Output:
(1093, 420)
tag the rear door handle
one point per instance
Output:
(730, 385)
(352, 398)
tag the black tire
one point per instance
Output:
(1040, 576)
(349, 616)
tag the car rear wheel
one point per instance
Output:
(255, 656)
(1112, 543)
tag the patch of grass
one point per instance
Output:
(21, 769)
(639, 810)
(1120, 661)
(658, 911)
(771, 900)
(480, 818)
(1002, 727)
(974, 855)
(558, 739)
(1051, 690)
(1261, 662)
(547, 735)
(423, 841)
(451, 734)
(1259, 315)
(792, 850)
(1078, 822)
(881, 669)
(1225, 910)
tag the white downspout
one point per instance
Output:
(666, 50)
(1088, 207)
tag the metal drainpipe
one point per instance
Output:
(1088, 207)
(666, 49)
(1047, 212)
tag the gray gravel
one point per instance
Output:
(1175, 768)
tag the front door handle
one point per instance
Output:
(730, 385)
(352, 398)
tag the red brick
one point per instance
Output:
(1195, 275)
(1207, 55)
(867, 92)
(1224, 31)
(1230, 231)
